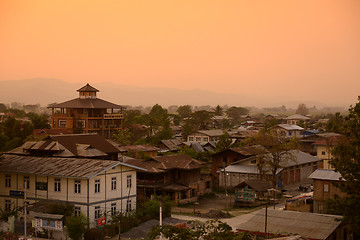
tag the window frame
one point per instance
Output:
(128, 181)
(77, 186)
(57, 185)
(8, 181)
(97, 185)
(113, 183)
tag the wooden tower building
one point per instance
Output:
(87, 114)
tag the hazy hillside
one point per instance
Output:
(46, 91)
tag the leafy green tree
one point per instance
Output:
(200, 120)
(39, 121)
(2, 107)
(13, 143)
(276, 152)
(184, 111)
(202, 156)
(18, 113)
(123, 137)
(3, 140)
(131, 117)
(75, 226)
(224, 142)
(218, 111)
(236, 112)
(346, 160)
(336, 124)
(302, 109)
(212, 229)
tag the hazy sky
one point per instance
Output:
(283, 50)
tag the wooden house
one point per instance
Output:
(87, 114)
(177, 176)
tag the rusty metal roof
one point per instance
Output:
(58, 167)
(71, 145)
(138, 148)
(325, 174)
(172, 144)
(164, 163)
(308, 225)
(70, 142)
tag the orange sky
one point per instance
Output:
(284, 50)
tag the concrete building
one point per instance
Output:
(93, 186)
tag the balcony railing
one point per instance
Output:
(150, 182)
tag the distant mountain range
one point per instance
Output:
(45, 91)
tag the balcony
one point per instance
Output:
(150, 182)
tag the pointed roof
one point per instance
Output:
(87, 88)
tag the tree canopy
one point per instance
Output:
(346, 160)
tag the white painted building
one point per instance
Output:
(93, 186)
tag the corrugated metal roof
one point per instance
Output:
(138, 148)
(70, 142)
(258, 185)
(289, 127)
(297, 117)
(249, 150)
(324, 174)
(292, 158)
(308, 225)
(212, 133)
(172, 144)
(164, 163)
(197, 147)
(60, 167)
(252, 169)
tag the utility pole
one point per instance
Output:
(266, 210)
(25, 210)
(160, 219)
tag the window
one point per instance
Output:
(77, 186)
(326, 187)
(97, 186)
(113, 183)
(205, 139)
(77, 211)
(97, 212)
(62, 123)
(27, 182)
(198, 139)
(52, 223)
(57, 187)
(7, 205)
(128, 205)
(191, 139)
(113, 208)
(80, 124)
(128, 181)
(253, 161)
(7, 181)
(323, 153)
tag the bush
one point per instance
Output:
(75, 226)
